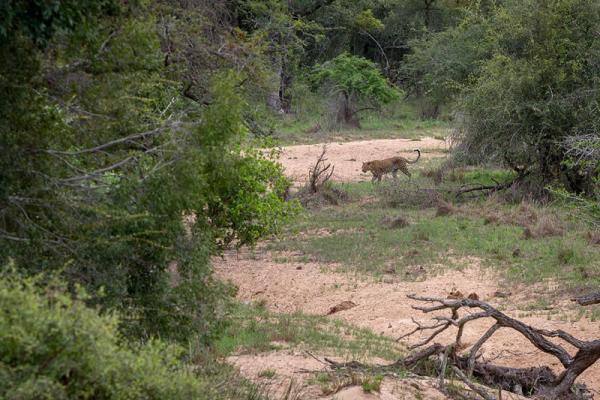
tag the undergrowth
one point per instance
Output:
(399, 121)
(524, 241)
(254, 329)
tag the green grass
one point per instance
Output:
(372, 383)
(360, 242)
(594, 313)
(481, 176)
(373, 126)
(267, 373)
(254, 329)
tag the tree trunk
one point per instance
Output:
(273, 97)
(346, 115)
(428, 5)
(285, 83)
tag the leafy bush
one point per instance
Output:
(357, 80)
(54, 347)
(525, 82)
(115, 178)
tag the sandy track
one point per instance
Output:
(348, 157)
(384, 308)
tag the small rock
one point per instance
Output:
(455, 294)
(299, 267)
(500, 294)
(444, 209)
(412, 253)
(343, 306)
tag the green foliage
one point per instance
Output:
(39, 20)
(442, 64)
(356, 79)
(52, 346)
(248, 188)
(366, 20)
(372, 383)
(583, 207)
(526, 81)
(114, 177)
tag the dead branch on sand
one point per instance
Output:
(539, 382)
(320, 173)
(588, 300)
(466, 362)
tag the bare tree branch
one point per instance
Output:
(539, 380)
(320, 173)
(588, 300)
(477, 389)
(115, 142)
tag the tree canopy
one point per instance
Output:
(355, 79)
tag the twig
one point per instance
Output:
(125, 139)
(484, 395)
(587, 300)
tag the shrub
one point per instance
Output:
(55, 347)
(401, 196)
(104, 156)
(527, 92)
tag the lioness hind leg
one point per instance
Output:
(395, 174)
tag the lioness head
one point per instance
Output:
(365, 166)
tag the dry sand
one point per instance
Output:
(347, 158)
(314, 288)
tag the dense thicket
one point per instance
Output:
(121, 167)
(524, 75)
(129, 129)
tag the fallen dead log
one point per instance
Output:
(467, 362)
(588, 300)
(539, 382)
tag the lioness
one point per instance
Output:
(380, 167)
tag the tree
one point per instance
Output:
(524, 81)
(355, 80)
(120, 179)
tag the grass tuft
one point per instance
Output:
(488, 229)
(254, 330)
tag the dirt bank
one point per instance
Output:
(383, 307)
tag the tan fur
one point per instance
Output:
(390, 165)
